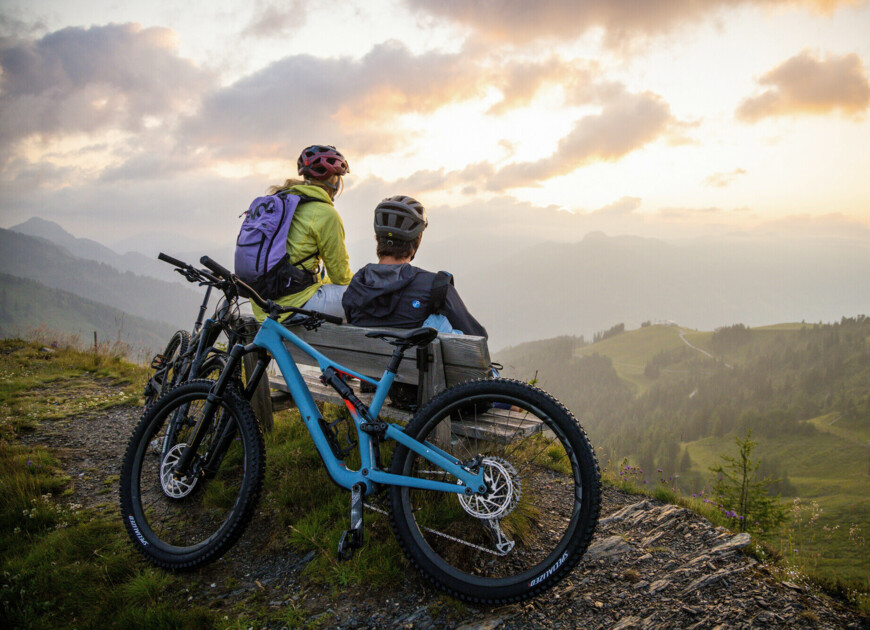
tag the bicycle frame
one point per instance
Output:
(271, 337)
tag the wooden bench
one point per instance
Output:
(446, 361)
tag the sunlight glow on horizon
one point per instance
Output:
(433, 106)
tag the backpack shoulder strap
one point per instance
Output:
(440, 284)
(306, 198)
(302, 199)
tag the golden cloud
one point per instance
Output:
(721, 180)
(806, 84)
(520, 20)
(626, 123)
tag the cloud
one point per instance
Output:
(351, 103)
(721, 180)
(622, 207)
(85, 80)
(519, 21)
(627, 122)
(521, 81)
(276, 19)
(806, 84)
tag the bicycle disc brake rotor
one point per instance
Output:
(172, 487)
(504, 491)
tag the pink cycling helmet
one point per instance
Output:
(322, 161)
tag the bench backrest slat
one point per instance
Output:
(464, 356)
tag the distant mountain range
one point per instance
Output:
(527, 290)
(55, 267)
(552, 289)
(27, 305)
(87, 249)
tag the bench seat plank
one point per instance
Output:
(454, 359)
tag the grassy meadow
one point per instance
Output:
(672, 400)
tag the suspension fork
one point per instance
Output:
(198, 323)
(182, 466)
(206, 341)
(263, 360)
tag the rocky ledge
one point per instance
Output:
(658, 566)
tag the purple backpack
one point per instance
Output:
(262, 260)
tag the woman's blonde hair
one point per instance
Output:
(290, 182)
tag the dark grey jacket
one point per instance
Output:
(400, 296)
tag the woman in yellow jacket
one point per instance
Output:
(316, 235)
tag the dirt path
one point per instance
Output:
(701, 350)
(651, 565)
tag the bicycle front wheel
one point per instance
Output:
(182, 523)
(540, 511)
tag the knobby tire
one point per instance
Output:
(539, 453)
(164, 528)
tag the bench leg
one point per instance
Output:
(433, 382)
(261, 401)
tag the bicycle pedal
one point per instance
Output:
(352, 538)
(350, 541)
(159, 361)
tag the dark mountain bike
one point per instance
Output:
(489, 516)
(195, 354)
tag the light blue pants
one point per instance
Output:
(327, 300)
(441, 324)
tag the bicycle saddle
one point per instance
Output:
(416, 337)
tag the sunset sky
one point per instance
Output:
(665, 118)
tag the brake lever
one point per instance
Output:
(311, 323)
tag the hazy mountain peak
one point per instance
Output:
(88, 249)
(596, 236)
(42, 228)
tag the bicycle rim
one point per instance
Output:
(541, 508)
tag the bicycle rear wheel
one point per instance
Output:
(184, 523)
(168, 374)
(539, 515)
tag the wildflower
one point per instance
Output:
(29, 462)
(659, 470)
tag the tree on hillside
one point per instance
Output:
(739, 491)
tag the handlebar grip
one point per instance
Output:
(172, 261)
(217, 268)
(332, 319)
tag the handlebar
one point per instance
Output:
(191, 273)
(267, 305)
(220, 270)
(171, 260)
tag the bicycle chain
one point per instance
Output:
(443, 535)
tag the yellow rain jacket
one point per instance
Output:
(316, 227)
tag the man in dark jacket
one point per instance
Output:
(396, 294)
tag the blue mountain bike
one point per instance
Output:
(489, 515)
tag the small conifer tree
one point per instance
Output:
(741, 494)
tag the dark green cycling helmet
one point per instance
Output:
(401, 218)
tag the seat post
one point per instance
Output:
(396, 359)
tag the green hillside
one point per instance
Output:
(674, 399)
(23, 256)
(26, 305)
